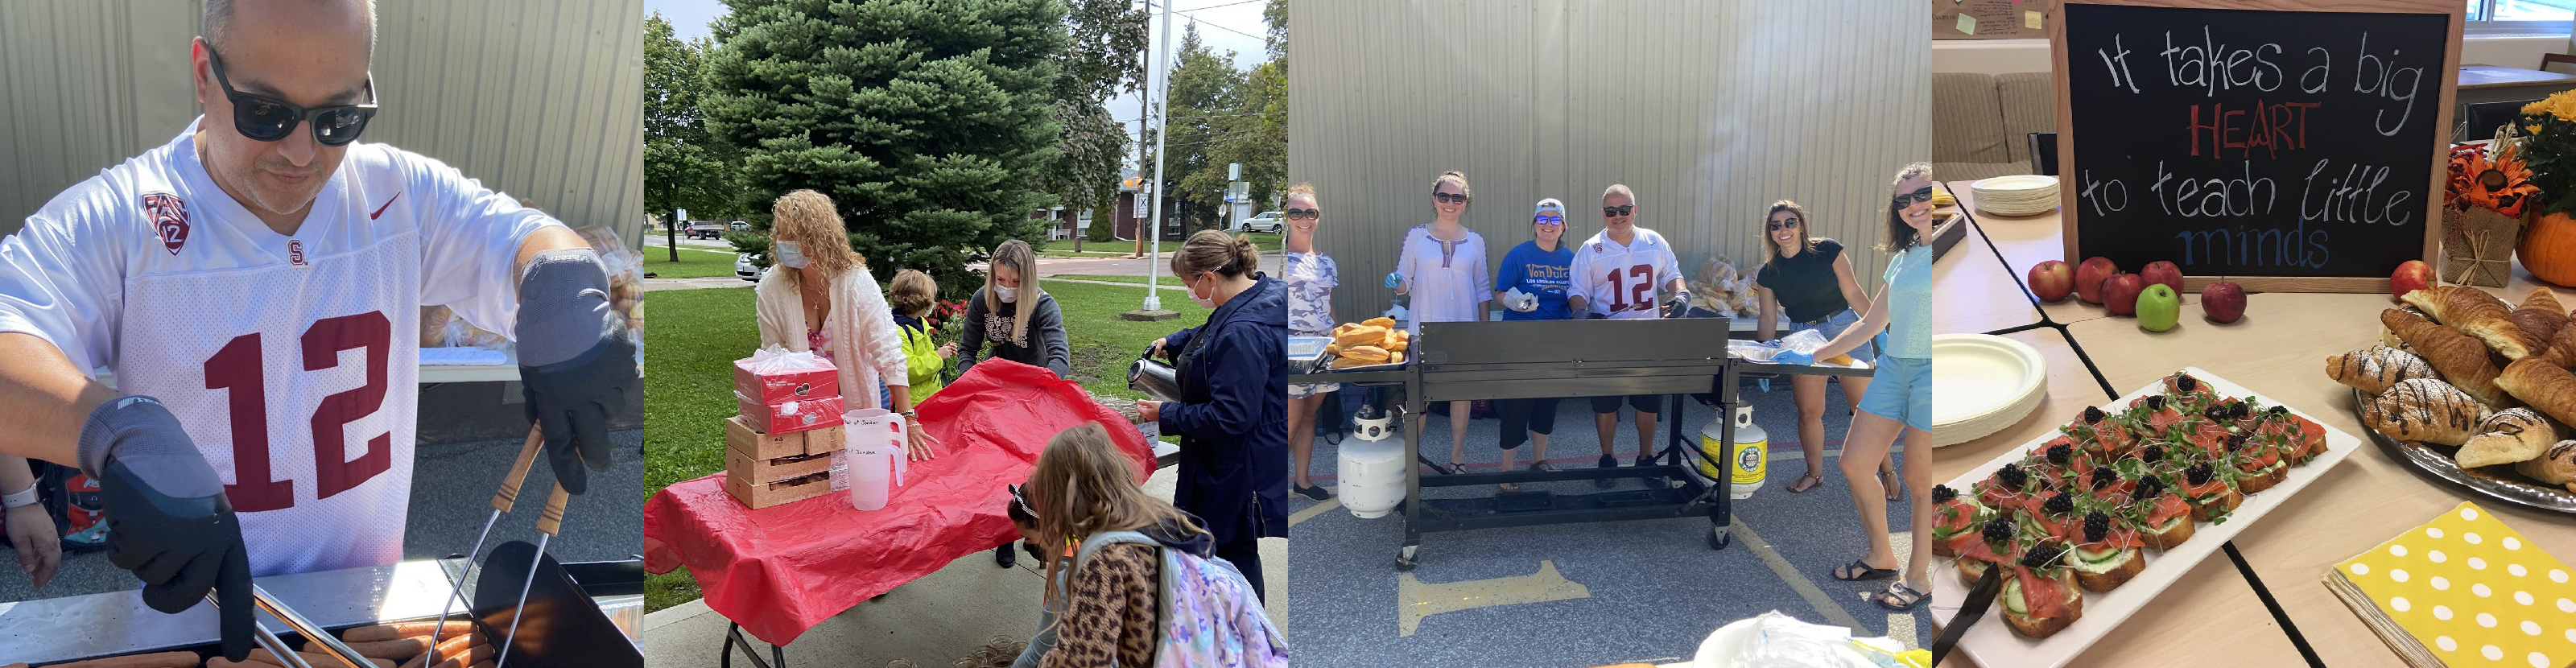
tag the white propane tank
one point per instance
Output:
(1746, 460)
(1372, 476)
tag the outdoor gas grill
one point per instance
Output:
(583, 614)
(1529, 359)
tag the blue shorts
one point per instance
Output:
(1901, 390)
(1833, 326)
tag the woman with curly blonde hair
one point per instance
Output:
(817, 296)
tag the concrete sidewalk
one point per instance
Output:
(932, 621)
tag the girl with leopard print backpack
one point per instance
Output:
(1139, 587)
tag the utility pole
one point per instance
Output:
(1152, 309)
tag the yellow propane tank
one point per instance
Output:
(1748, 458)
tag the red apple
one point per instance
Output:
(2052, 281)
(2163, 272)
(2090, 275)
(2121, 293)
(2223, 301)
(2411, 276)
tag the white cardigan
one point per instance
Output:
(867, 348)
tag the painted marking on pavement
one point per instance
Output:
(1832, 609)
(1417, 600)
(1310, 512)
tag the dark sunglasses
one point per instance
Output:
(1305, 214)
(1906, 200)
(264, 118)
(1548, 220)
(1617, 211)
(1778, 225)
(1446, 198)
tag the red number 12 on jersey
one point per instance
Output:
(237, 367)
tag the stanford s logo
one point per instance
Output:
(169, 219)
(295, 252)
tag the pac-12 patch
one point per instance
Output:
(169, 219)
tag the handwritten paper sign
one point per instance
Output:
(2238, 143)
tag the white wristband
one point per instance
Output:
(26, 497)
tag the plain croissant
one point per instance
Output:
(2462, 360)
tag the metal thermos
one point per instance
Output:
(1157, 380)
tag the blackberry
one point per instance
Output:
(1942, 493)
(1999, 530)
(2061, 453)
(2155, 402)
(2059, 505)
(2240, 410)
(2096, 525)
(2199, 474)
(2236, 443)
(2214, 412)
(2150, 487)
(2094, 414)
(2152, 453)
(2103, 476)
(2186, 382)
(2277, 411)
(2043, 556)
(2012, 475)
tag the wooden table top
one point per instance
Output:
(2491, 76)
(1969, 269)
(2278, 351)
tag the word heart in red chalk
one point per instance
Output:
(2274, 127)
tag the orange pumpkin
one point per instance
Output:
(2548, 248)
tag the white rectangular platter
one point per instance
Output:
(1994, 644)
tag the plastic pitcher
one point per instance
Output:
(874, 439)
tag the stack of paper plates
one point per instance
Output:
(2016, 195)
(1986, 383)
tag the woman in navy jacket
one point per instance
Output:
(1233, 411)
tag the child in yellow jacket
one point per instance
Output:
(912, 295)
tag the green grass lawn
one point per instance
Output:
(694, 263)
(1267, 242)
(697, 334)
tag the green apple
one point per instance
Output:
(2158, 307)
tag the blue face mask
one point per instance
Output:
(789, 257)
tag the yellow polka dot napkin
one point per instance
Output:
(2464, 590)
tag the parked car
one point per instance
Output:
(1266, 221)
(743, 267)
(738, 226)
(705, 230)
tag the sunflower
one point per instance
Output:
(2502, 185)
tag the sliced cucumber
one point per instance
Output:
(2096, 562)
(2012, 597)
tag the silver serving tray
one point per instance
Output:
(2433, 462)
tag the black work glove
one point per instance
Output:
(167, 518)
(576, 360)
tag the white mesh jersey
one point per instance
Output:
(1620, 281)
(292, 360)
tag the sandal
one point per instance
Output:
(1451, 468)
(1315, 492)
(1895, 486)
(1805, 482)
(1508, 488)
(1898, 597)
(1860, 569)
(1542, 467)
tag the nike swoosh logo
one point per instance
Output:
(389, 203)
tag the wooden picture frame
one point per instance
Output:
(2437, 152)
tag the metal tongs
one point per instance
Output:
(502, 501)
(313, 634)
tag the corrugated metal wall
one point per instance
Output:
(543, 100)
(1709, 110)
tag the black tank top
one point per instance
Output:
(1805, 284)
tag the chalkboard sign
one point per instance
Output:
(2283, 150)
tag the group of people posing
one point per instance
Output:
(819, 296)
(1627, 271)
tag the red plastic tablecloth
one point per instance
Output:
(780, 570)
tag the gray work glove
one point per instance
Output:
(167, 518)
(576, 361)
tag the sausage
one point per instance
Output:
(477, 655)
(447, 648)
(396, 649)
(399, 630)
(154, 660)
(261, 658)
